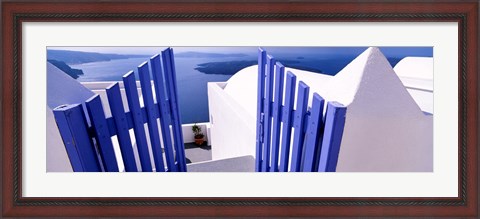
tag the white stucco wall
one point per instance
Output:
(231, 126)
(416, 73)
(385, 129)
(415, 67)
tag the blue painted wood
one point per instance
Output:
(334, 125)
(168, 90)
(314, 134)
(287, 121)
(144, 114)
(262, 55)
(68, 137)
(272, 116)
(128, 115)
(176, 114)
(138, 124)
(298, 124)
(150, 107)
(170, 79)
(267, 122)
(122, 127)
(276, 114)
(102, 133)
(73, 128)
(164, 108)
(111, 126)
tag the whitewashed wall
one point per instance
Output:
(231, 128)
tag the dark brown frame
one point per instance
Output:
(16, 12)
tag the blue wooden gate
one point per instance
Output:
(87, 136)
(316, 138)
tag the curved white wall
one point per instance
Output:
(232, 127)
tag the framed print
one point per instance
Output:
(379, 98)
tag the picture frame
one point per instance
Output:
(14, 13)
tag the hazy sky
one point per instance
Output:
(388, 51)
(154, 50)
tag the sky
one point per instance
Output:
(153, 50)
(388, 51)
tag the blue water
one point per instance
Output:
(192, 84)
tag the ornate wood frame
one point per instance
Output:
(16, 12)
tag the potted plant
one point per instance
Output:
(198, 135)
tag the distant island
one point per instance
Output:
(232, 67)
(299, 65)
(208, 55)
(224, 68)
(76, 57)
(72, 72)
(299, 62)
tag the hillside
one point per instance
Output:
(232, 67)
(75, 57)
(74, 73)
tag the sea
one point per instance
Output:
(192, 84)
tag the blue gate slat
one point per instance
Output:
(111, 121)
(262, 55)
(68, 136)
(314, 134)
(74, 130)
(102, 133)
(276, 114)
(298, 122)
(166, 111)
(168, 90)
(176, 113)
(129, 118)
(334, 125)
(267, 121)
(164, 114)
(111, 126)
(146, 86)
(287, 121)
(169, 69)
(138, 125)
(120, 118)
(156, 110)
